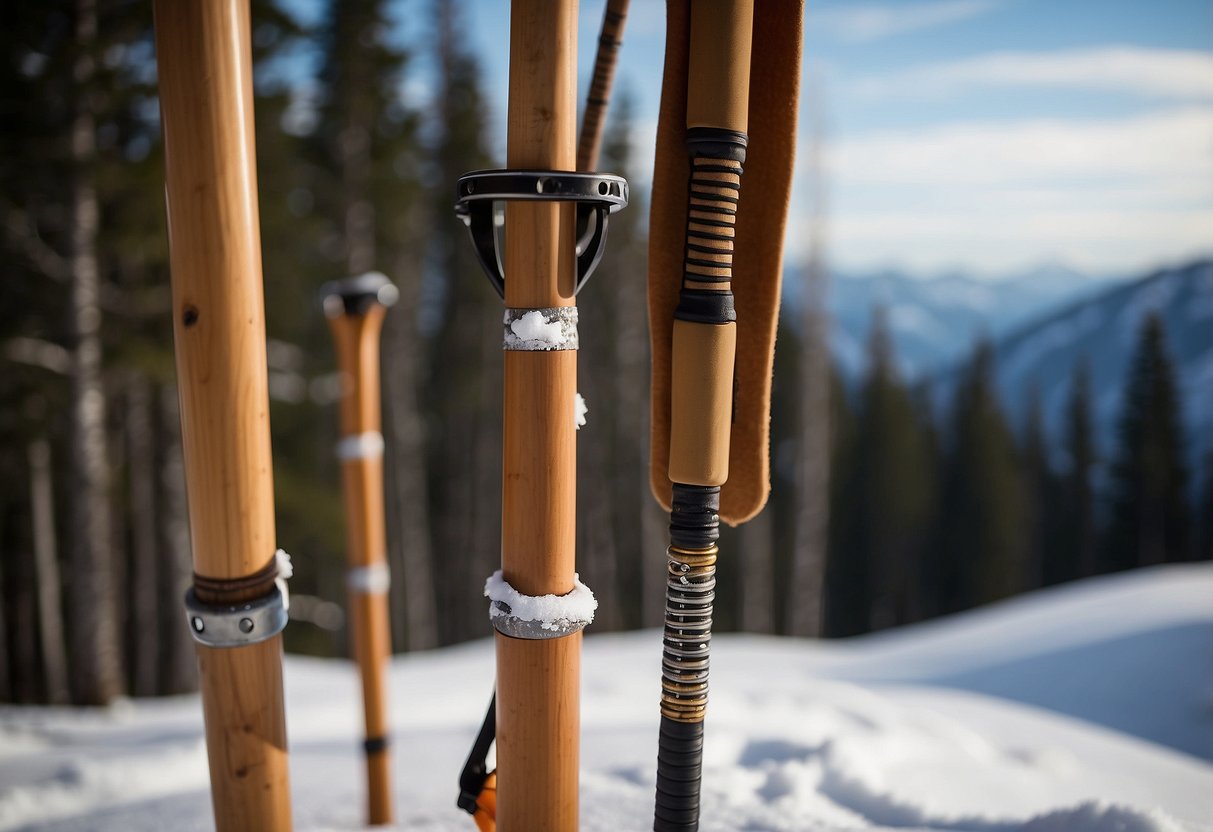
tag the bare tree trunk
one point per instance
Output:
(486, 485)
(757, 575)
(654, 530)
(46, 567)
(20, 594)
(597, 550)
(805, 598)
(96, 657)
(6, 687)
(178, 663)
(404, 359)
(144, 578)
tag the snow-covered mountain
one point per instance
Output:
(1103, 330)
(934, 321)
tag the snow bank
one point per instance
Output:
(801, 735)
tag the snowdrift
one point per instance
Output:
(1087, 708)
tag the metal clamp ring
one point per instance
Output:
(508, 624)
(597, 196)
(235, 625)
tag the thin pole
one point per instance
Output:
(355, 309)
(702, 359)
(206, 102)
(538, 706)
(589, 142)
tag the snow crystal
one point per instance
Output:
(552, 612)
(580, 409)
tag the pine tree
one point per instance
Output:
(369, 211)
(1204, 511)
(885, 491)
(612, 448)
(462, 379)
(982, 516)
(1149, 520)
(1040, 497)
(1074, 555)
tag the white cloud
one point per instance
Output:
(1110, 194)
(859, 22)
(1160, 73)
(1176, 145)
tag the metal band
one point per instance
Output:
(367, 445)
(372, 579)
(603, 189)
(508, 624)
(541, 617)
(375, 745)
(554, 328)
(236, 625)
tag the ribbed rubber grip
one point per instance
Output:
(679, 752)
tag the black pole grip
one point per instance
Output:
(677, 780)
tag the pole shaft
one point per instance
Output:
(538, 708)
(206, 101)
(701, 392)
(357, 343)
(589, 141)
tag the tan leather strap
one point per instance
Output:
(758, 248)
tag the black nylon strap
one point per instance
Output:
(476, 769)
(374, 745)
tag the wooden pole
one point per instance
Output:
(589, 141)
(538, 707)
(356, 309)
(701, 392)
(206, 102)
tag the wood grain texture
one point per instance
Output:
(206, 105)
(538, 710)
(538, 738)
(356, 338)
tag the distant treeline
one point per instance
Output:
(919, 518)
(933, 514)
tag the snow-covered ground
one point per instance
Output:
(1085, 709)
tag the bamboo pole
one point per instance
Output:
(206, 103)
(701, 392)
(355, 310)
(538, 707)
(589, 141)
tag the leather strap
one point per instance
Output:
(758, 255)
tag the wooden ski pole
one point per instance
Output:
(355, 309)
(704, 343)
(589, 141)
(235, 609)
(538, 704)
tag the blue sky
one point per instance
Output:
(986, 136)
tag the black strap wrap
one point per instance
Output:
(375, 745)
(717, 143)
(476, 769)
(694, 516)
(677, 781)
